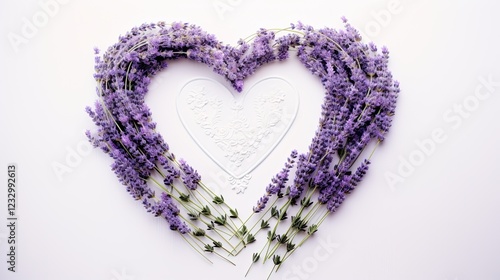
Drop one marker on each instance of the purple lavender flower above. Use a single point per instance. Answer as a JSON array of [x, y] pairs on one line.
[[170, 175], [261, 203], [304, 171], [277, 183], [166, 208], [190, 177], [358, 175]]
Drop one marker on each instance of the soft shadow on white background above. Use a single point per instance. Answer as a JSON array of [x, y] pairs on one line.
[[435, 218]]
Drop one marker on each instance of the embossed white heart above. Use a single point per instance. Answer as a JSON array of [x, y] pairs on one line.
[[237, 131]]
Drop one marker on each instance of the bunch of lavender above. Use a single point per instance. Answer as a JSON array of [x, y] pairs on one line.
[[126, 132], [358, 106], [360, 99]]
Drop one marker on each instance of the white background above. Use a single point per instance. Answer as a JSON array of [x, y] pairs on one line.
[[441, 222]]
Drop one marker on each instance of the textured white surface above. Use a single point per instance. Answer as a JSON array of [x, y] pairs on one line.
[[437, 220], [237, 130]]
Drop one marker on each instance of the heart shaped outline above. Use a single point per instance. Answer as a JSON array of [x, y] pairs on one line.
[[293, 94]]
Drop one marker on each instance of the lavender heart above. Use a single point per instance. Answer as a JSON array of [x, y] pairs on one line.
[[359, 103]]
